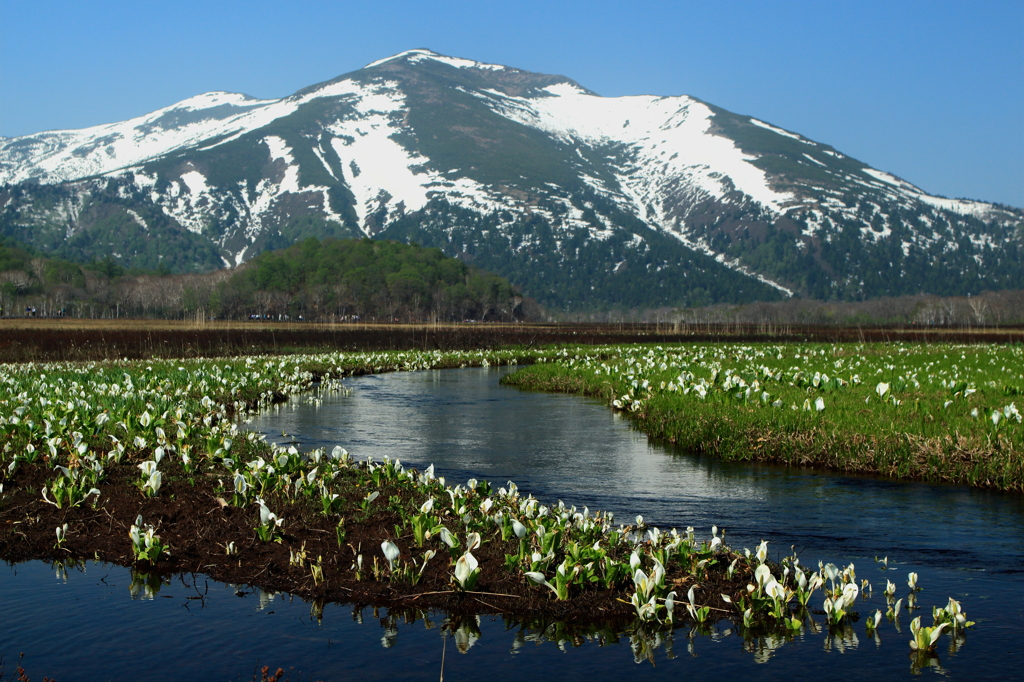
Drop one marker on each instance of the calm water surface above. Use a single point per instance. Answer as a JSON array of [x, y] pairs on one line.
[[963, 543]]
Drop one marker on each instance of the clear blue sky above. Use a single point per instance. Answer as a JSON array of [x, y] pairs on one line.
[[932, 91]]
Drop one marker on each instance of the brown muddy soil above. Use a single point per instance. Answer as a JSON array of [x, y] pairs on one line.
[[37, 340], [193, 518]]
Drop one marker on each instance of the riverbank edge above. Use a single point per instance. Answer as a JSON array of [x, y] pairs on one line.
[[894, 457], [100, 533], [190, 509]]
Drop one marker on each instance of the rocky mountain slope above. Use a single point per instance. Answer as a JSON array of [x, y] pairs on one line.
[[584, 201]]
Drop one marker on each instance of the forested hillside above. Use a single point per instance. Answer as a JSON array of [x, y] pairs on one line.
[[347, 278], [30, 280], [336, 279]]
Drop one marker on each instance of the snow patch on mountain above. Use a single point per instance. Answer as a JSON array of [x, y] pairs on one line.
[[669, 138], [420, 54], [378, 169], [468, 193], [209, 100], [189, 202], [72, 154], [319, 152], [565, 90], [137, 218], [977, 209], [66, 155], [962, 206], [280, 150], [701, 246], [779, 131], [196, 182], [891, 180]]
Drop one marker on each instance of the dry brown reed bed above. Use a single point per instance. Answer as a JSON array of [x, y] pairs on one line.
[[38, 340]]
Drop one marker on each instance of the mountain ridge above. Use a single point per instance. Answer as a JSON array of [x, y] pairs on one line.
[[374, 150]]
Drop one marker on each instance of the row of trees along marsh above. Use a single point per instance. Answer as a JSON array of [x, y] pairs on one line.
[[333, 280], [988, 309]]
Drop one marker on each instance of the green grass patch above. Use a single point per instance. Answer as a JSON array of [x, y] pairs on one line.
[[941, 413]]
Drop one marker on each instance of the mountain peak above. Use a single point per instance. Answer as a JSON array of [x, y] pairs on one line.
[[585, 201], [422, 54]]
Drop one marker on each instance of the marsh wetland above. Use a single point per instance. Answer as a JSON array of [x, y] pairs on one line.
[[253, 488]]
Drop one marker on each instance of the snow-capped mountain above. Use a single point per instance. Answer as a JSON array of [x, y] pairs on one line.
[[584, 201]]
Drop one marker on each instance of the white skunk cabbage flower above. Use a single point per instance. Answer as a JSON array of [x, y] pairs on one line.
[[467, 571], [447, 537], [391, 553], [762, 574]]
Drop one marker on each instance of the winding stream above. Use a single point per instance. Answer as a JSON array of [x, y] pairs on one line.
[[964, 543]]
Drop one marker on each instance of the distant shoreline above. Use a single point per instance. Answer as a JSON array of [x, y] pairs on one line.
[[72, 339]]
